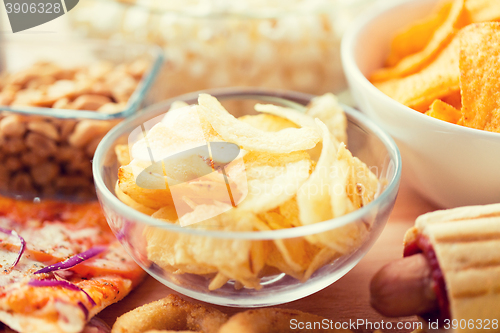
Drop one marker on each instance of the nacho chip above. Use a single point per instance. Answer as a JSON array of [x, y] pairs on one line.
[[444, 111], [438, 79], [454, 99], [267, 122], [483, 10], [250, 138], [479, 63], [414, 38], [458, 17]]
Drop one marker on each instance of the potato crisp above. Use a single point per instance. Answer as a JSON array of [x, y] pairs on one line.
[[446, 65], [293, 169]]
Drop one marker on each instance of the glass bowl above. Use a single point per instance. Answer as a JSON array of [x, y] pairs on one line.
[[212, 44], [46, 147], [365, 140]]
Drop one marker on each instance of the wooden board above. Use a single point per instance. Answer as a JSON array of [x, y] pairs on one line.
[[346, 299]]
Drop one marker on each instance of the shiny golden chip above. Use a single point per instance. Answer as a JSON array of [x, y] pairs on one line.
[[483, 10], [438, 79], [414, 38], [457, 18], [443, 111], [479, 76]]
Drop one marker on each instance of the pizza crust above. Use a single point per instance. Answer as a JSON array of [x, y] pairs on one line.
[[30, 324]]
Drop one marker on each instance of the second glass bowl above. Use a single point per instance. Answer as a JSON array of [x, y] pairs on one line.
[[365, 140]]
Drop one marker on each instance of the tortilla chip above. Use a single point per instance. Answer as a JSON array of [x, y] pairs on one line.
[[443, 111], [438, 79], [457, 18], [483, 10], [454, 99], [479, 66], [414, 38]]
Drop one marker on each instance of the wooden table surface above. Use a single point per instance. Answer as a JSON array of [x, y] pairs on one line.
[[347, 299]]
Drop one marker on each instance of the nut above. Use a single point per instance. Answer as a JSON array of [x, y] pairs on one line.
[[4, 178], [100, 69], [65, 182], [90, 102], [66, 128], [38, 82], [13, 145], [138, 68], [44, 173], [124, 88], [61, 88], [92, 146], [41, 145], [13, 163], [49, 190], [62, 103], [87, 130], [112, 108], [8, 94], [100, 88], [21, 78], [45, 128], [28, 97], [12, 126], [68, 153], [79, 165], [49, 154], [21, 183], [29, 158]]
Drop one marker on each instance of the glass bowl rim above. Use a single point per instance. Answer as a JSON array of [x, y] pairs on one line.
[[133, 103], [289, 98]]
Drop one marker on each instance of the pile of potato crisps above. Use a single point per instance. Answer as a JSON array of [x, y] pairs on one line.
[[293, 169], [446, 65]]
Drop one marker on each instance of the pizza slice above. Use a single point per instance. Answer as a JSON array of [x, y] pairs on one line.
[[60, 264]]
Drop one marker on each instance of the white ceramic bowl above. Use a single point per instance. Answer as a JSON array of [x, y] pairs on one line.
[[449, 164]]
